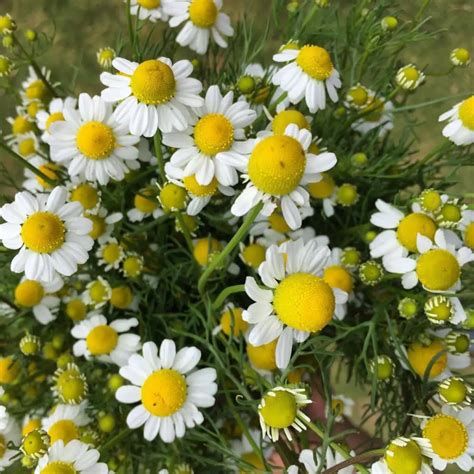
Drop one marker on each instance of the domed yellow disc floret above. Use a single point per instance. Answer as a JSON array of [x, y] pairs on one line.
[[65, 430], [469, 235], [86, 194], [322, 189], [304, 302], [102, 340], [9, 370], [153, 82], [76, 309], [214, 134], [373, 111], [71, 388], [27, 147], [232, 322], [36, 90], [448, 436], [263, 357], [50, 170], [277, 165], [173, 197], [466, 113], [21, 125], [411, 73], [430, 200], [99, 226], [34, 107], [149, 4], [279, 410], [111, 252], [98, 292], [58, 467], [204, 249], [164, 392], [253, 255], [412, 225], [203, 13], [121, 297], [403, 456], [43, 232], [132, 266], [438, 270], [453, 390], [358, 95], [95, 140], [278, 224], [420, 356], [347, 194], [146, 201], [287, 117], [338, 277], [199, 190], [34, 443], [54, 117], [29, 293], [315, 61]]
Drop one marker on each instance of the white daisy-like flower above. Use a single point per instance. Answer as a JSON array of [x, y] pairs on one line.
[[97, 293], [65, 421], [326, 191], [103, 223], [440, 309], [438, 267], [451, 435], [277, 170], [73, 457], [145, 204], [376, 114], [26, 145], [38, 296], [401, 231], [105, 341], [34, 88], [203, 18], [20, 123], [409, 77], [155, 94], [50, 233], [35, 183], [45, 118], [110, 254], [312, 460], [92, 143], [215, 145], [308, 75], [295, 301], [341, 406], [460, 129], [88, 194], [168, 389], [152, 10], [9, 433]]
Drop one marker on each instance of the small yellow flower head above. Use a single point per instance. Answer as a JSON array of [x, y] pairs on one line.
[[107, 423], [292, 6], [6, 66], [9, 370], [460, 57], [407, 308], [253, 254], [49, 352], [70, 385], [31, 35], [469, 322], [389, 23], [409, 77], [121, 297], [172, 197], [382, 367], [450, 213], [205, 249], [347, 195], [7, 24], [76, 309], [8, 41], [263, 357], [35, 444], [350, 257], [232, 322], [457, 342], [439, 309], [421, 355], [369, 236], [357, 96], [455, 391], [132, 266], [105, 56], [430, 200], [114, 382], [190, 223], [403, 455], [246, 84], [371, 273], [30, 345], [359, 160]]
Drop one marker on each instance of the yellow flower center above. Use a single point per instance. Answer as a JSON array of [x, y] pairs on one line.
[[287, 117], [322, 189], [304, 302], [373, 111], [279, 410], [412, 225], [430, 200], [6, 23], [451, 213], [277, 165], [98, 292], [438, 270], [111, 253], [132, 266], [347, 195], [36, 90], [71, 386], [121, 297], [99, 226], [29, 293], [405, 459], [214, 134], [466, 113], [263, 357], [232, 322], [411, 73], [253, 255], [453, 390], [33, 108], [420, 357], [50, 170], [439, 308], [9, 370], [153, 82], [469, 235], [199, 190], [102, 340], [164, 392], [86, 194], [95, 140], [146, 201], [149, 4], [43, 232], [448, 436], [252, 459], [33, 443], [315, 61], [173, 197], [338, 277], [54, 117], [65, 430], [358, 95], [204, 249], [384, 368], [203, 13], [337, 406], [21, 125], [27, 147], [31, 425], [278, 224], [58, 467], [350, 257]]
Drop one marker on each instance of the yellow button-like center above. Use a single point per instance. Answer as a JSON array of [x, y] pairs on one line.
[[149, 4], [358, 95], [214, 134], [278, 224], [65, 430], [469, 235], [76, 310], [102, 340], [466, 113], [412, 225], [9, 370], [279, 410], [438, 270], [50, 170], [95, 140], [132, 266], [373, 110], [430, 200], [277, 165], [448, 436], [111, 253], [420, 356], [287, 117], [121, 297], [451, 212], [315, 61], [153, 82], [304, 302], [411, 73], [173, 197], [146, 201], [403, 459], [43, 232], [36, 90], [232, 322], [29, 293], [199, 190], [58, 467], [164, 392], [254, 255], [27, 147], [99, 226], [21, 125], [86, 194], [34, 443], [54, 117], [453, 390], [263, 357], [98, 292], [322, 189], [338, 277], [71, 387], [204, 249], [203, 13]]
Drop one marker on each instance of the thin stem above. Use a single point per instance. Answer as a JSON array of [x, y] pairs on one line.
[[114, 440], [225, 293], [428, 103], [130, 25], [185, 230], [354, 460], [159, 155], [238, 237]]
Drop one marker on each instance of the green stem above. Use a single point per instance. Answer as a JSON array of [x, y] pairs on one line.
[[28, 165], [114, 440], [159, 156], [185, 230], [130, 26], [238, 237], [225, 293], [355, 460], [427, 104]]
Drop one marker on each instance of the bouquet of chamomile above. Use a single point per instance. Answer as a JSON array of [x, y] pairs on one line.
[[234, 256]]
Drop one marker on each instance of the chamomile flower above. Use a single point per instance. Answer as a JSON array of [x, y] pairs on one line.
[[155, 94], [276, 171], [438, 267], [20, 124], [98, 292], [325, 190], [38, 296], [105, 56], [203, 19], [308, 74], [312, 460], [70, 385], [455, 392], [253, 253], [34, 88], [26, 145], [466, 226], [451, 435], [281, 409], [295, 301], [102, 223], [132, 265], [441, 310], [409, 77], [376, 114], [35, 183], [152, 10], [146, 204], [460, 129], [231, 322], [341, 406], [168, 389], [50, 233], [65, 422], [110, 254], [460, 57], [45, 118], [9, 433], [106, 342], [73, 457], [92, 143], [6, 66], [357, 97], [215, 145], [86, 193]]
